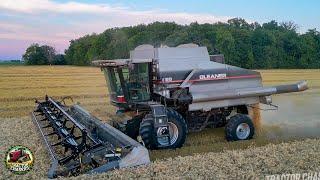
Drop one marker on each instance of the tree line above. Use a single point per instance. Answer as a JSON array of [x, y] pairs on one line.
[[248, 45], [42, 55]]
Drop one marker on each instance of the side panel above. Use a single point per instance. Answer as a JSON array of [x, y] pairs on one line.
[[230, 82], [212, 80], [173, 77], [243, 78], [206, 106]]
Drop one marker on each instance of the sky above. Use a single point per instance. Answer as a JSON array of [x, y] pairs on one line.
[[56, 22]]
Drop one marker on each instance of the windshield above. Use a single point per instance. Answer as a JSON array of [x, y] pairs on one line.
[[113, 80], [133, 84], [138, 86]]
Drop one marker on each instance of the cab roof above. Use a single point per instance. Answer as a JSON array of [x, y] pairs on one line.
[[118, 62]]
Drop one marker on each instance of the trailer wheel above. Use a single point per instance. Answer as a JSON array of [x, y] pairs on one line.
[[239, 127], [177, 131]]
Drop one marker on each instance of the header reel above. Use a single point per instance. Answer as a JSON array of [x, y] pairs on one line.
[[80, 143]]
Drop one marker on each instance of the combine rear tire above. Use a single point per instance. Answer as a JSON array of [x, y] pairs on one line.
[[239, 127], [177, 131]]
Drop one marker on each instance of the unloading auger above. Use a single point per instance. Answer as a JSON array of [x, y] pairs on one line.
[[80, 143]]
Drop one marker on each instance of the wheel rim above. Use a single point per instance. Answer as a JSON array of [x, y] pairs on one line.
[[243, 131], [173, 133]]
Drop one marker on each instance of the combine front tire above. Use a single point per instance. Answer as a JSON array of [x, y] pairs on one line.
[[177, 131], [146, 132], [239, 127]]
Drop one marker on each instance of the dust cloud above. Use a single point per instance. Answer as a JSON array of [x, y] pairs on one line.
[[296, 118]]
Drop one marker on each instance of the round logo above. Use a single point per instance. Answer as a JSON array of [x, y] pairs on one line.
[[19, 159]]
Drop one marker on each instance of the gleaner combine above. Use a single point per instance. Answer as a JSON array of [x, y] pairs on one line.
[[168, 92]]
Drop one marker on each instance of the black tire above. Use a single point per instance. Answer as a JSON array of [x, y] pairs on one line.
[[232, 125], [178, 120], [146, 132], [148, 135]]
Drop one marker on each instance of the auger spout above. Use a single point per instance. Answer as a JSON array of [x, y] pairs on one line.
[[249, 92]]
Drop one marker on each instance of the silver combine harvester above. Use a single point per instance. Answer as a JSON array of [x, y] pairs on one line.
[[167, 92]]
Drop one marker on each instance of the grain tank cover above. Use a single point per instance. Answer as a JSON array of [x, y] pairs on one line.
[[181, 58], [145, 51]]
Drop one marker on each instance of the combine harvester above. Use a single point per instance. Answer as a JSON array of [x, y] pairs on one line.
[[167, 92]]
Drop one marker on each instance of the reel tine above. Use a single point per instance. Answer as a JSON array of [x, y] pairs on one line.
[[72, 130], [47, 126], [57, 144], [44, 119], [66, 159], [78, 137], [50, 134], [66, 149]]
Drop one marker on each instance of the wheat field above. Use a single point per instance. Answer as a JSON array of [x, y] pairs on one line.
[[21, 85]]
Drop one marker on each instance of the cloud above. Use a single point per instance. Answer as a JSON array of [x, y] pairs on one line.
[[36, 6], [51, 22], [75, 8]]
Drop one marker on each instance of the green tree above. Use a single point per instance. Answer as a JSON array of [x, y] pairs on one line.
[[270, 45], [310, 50], [59, 60], [49, 53], [226, 45], [42, 55], [35, 55]]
